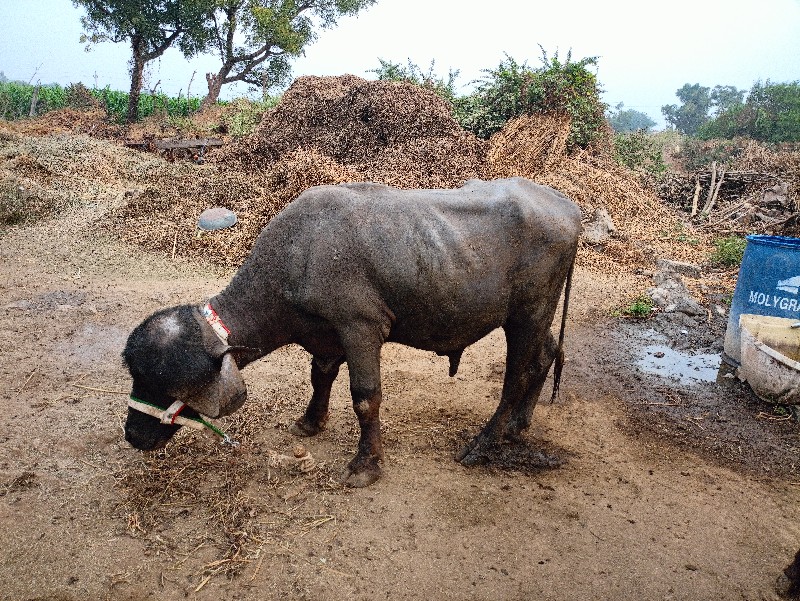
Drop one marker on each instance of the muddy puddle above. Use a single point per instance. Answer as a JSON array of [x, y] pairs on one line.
[[684, 367]]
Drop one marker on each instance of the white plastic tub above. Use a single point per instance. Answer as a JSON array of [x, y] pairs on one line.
[[770, 349]]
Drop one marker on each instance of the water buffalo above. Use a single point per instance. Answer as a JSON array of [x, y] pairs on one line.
[[344, 269]]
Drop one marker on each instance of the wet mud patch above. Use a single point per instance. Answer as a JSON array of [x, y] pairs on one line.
[[525, 455], [685, 401]]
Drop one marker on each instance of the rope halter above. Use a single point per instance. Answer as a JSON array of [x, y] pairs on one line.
[[171, 416]]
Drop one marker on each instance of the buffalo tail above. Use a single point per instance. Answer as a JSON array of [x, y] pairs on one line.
[[559, 361]]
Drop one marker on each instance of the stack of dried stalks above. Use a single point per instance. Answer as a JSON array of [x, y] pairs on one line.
[[534, 147], [335, 129], [325, 131], [393, 132], [92, 121], [531, 145]]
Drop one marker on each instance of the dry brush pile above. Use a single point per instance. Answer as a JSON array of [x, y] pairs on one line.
[[328, 130]]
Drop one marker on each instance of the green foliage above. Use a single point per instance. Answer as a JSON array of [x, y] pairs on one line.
[[116, 104], [16, 97], [242, 115], [150, 27], [640, 307], [697, 154], [514, 89], [770, 114], [693, 112], [256, 39], [15, 101], [641, 152], [629, 120], [446, 88], [724, 98], [728, 252]]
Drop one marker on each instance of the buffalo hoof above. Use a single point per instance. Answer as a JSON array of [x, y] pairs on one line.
[[305, 428], [362, 472], [469, 458], [476, 452]]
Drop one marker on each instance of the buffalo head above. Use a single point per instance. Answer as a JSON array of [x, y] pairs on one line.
[[174, 355]]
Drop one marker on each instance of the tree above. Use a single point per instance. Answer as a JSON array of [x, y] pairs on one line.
[[724, 98], [150, 26], [688, 117], [629, 120], [255, 39], [771, 113]]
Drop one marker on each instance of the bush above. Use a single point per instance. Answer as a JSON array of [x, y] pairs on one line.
[[640, 307], [640, 152], [242, 115], [514, 89], [698, 154], [389, 71], [728, 252]]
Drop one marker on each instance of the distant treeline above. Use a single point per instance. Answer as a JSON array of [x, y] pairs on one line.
[[16, 99]]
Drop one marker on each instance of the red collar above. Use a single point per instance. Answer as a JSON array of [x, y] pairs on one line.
[[220, 329]]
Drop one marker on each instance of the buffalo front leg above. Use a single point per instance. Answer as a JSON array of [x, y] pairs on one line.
[[323, 374]]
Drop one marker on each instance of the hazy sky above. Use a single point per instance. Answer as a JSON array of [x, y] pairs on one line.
[[646, 49]]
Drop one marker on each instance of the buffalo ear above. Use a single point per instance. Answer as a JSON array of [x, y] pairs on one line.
[[224, 395]]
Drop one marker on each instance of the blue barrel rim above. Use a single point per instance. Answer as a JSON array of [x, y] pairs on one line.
[[774, 241]]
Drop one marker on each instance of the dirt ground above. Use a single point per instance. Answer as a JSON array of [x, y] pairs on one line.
[[630, 486]]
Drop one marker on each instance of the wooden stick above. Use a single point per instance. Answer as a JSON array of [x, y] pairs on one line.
[[716, 193], [34, 100], [711, 187], [174, 244], [696, 194]]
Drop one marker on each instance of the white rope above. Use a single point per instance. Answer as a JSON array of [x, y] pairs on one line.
[[167, 416]]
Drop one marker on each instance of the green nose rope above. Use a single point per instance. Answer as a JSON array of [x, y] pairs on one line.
[[171, 416]]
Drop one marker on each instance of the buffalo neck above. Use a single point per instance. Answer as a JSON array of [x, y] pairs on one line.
[[254, 314]]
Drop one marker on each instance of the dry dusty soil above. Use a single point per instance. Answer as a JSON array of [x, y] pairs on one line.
[[630, 486]]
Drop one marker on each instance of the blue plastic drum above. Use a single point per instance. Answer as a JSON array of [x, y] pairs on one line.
[[768, 284]]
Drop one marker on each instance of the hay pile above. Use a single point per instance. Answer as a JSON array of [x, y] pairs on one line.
[[392, 132], [534, 147], [329, 130], [326, 130], [92, 121]]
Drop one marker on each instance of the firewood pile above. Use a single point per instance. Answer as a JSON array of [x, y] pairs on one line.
[[757, 195]]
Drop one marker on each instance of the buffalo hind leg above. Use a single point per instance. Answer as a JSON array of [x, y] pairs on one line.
[[521, 414], [323, 374], [362, 346], [528, 358]]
